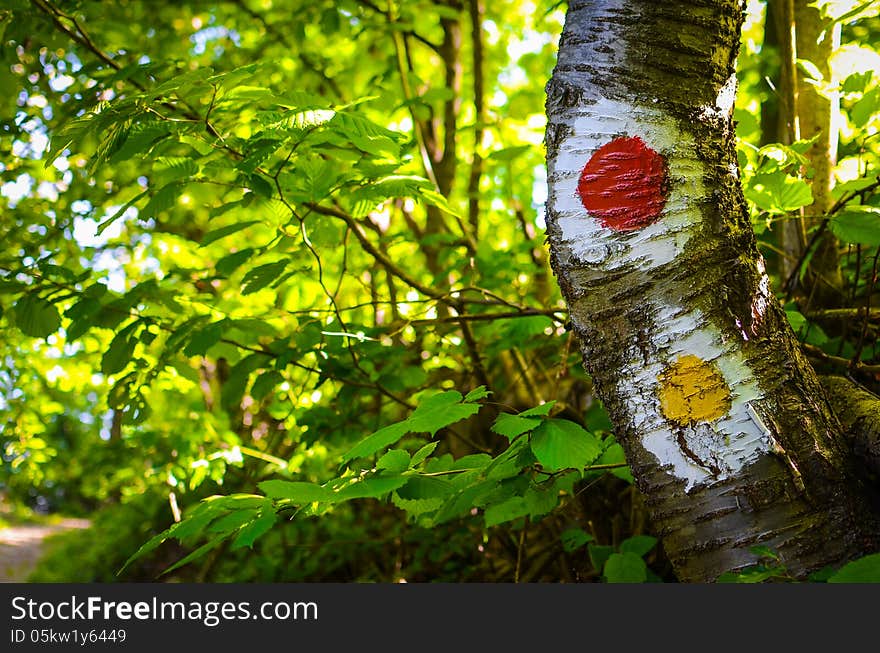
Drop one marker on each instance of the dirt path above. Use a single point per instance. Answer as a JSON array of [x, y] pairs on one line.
[[22, 546]]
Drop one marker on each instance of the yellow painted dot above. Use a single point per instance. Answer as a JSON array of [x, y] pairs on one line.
[[692, 390]]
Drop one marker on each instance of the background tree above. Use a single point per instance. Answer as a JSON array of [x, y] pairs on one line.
[[289, 259]]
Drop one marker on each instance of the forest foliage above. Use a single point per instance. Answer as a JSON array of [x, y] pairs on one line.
[[275, 301]]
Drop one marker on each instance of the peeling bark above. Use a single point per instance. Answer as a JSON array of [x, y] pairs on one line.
[[723, 420]]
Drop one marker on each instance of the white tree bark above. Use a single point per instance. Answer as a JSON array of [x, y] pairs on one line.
[[723, 420]]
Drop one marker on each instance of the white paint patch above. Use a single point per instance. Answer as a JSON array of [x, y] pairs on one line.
[[726, 444], [657, 244], [724, 101], [721, 446]]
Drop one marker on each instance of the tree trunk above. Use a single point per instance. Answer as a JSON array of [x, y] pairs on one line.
[[724, 422], [818, 117], [786, 130]]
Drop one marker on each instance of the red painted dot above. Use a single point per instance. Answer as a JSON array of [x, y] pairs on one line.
[[624, 184]]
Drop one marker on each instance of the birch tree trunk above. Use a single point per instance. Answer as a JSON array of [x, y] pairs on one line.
[[724, 423]]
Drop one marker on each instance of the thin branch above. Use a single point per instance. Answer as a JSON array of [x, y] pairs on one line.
[[845, 313], [491, 317], [380, 257], [476, 11], [854, 365], [520, 551], [403, 70]]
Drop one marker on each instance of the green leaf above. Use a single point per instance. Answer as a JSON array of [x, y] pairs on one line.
[[231, 262], [416, 507], [596, 418], [574, 538], [257, 152], [364, 134], [173, 168], [265, 383], [511, 426], [240, 501], [222, 232], [119, 352], [426, 487], [561, 444], [780, 156], [298, 121], [863, 110], [258, 527], [36, 317], [857, 82], [859, 225], [851, 186], [148, 546], [162, 200], [260, 186], [614, 455], [119, 212], [205, 338], [863, 570], [638, 544], [752, 575], [396, 460], [541, 501], [509, 153], [299, 492], [439, 411], [511, 461], [476, 394], [142, 138], [822, 575], [371, 488], [377, 441], [796, 319], [471, 461], [423, 453], [625, 568], [195, 555], [232, 522], [510, 509], [262, 275], [778, 192], [599, 554], [82, 316], [540, 410]]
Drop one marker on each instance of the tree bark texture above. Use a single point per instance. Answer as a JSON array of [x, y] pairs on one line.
[[859, 412], [786, 130], [818, 116], [724, 422]]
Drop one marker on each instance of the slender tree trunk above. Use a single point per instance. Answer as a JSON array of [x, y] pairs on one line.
[[724, 422], [780, 15], [818, 109]]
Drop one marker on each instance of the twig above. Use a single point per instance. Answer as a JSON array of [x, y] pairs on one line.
[[854, 365]]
